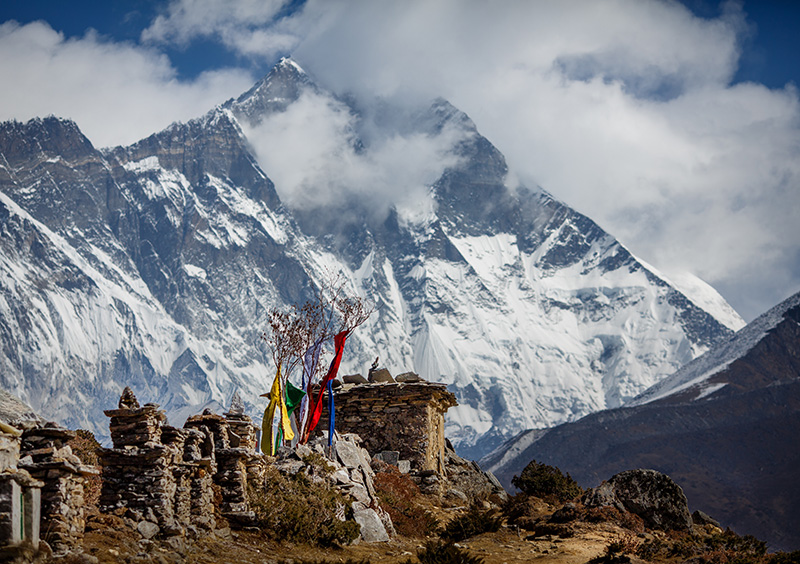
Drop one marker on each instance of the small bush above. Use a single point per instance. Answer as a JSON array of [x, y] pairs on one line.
[[299, 510], [442, 552], [399, 495], [785, 557], [609, 514], [547, 482], [721, 548], [524, 510], [623, 544], [472, 523]]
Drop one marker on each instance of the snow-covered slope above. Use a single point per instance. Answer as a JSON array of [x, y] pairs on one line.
[[697, 379], [154, 266]]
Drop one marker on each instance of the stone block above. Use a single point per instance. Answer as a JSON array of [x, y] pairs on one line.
[[380, 376], [372, 528], [389, 457]]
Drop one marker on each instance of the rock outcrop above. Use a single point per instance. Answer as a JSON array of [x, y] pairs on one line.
[[651, 495]]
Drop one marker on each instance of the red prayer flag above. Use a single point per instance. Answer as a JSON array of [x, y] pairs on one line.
[[316, 407]]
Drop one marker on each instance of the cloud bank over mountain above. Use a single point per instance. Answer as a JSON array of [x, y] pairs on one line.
[[626, 110]]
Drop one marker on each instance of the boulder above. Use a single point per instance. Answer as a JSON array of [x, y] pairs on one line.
[[354, 379], [147, 529], [409, 377], [372, 528], [701, 518], [651, 495], [380, 376]]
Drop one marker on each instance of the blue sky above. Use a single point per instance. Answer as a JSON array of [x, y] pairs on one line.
[[676, 126]]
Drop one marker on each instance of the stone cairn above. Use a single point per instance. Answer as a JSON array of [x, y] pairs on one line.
[[45, 454], [349, 471], [235, 457], [167, 478]]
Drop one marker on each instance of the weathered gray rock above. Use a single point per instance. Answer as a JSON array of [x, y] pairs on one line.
[[409, 377], [701, 518], [147, 529], [389, 457], [381, 375], [354, 379], [651, 495], [347, 453], [372, 528]]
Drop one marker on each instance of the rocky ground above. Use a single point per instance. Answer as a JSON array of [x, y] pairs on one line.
[[110, 540]]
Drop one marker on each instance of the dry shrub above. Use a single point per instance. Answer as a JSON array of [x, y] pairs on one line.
[[324, 561], [625, 543], [297, 509], [474, 522], [524, 511], [443, 552], [400, 496], [610, 514], [547, 482], [85, 446], [719, 548]]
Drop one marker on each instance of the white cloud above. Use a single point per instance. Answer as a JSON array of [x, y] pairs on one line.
[[621, 108], [117, 93], [247, 27], [312, 154]]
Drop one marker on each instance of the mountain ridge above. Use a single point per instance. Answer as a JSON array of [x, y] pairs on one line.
[[725, 426], [528, 310]]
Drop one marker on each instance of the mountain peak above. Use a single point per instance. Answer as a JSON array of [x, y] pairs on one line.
[[272, 94], [50, 136], [287, 64]]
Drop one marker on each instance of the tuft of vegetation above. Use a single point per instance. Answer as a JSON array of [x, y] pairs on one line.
[[474, 522], [445, 552], [546, 482], [319, 463], [298, 509], [524, 511], [626, 543], [609, 514], [399, 496], [785, 557]]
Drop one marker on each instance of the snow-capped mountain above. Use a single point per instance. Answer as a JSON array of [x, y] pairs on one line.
[[154, 265], [724, 427]]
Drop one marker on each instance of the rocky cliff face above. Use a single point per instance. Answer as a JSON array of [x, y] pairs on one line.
[[725, 427], [154, 265]]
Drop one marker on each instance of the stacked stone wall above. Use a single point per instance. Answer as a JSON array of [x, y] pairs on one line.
[[407, 417], [46, 455]]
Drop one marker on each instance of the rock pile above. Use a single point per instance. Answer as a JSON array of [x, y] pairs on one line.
[[19, 499], [351, 473]]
